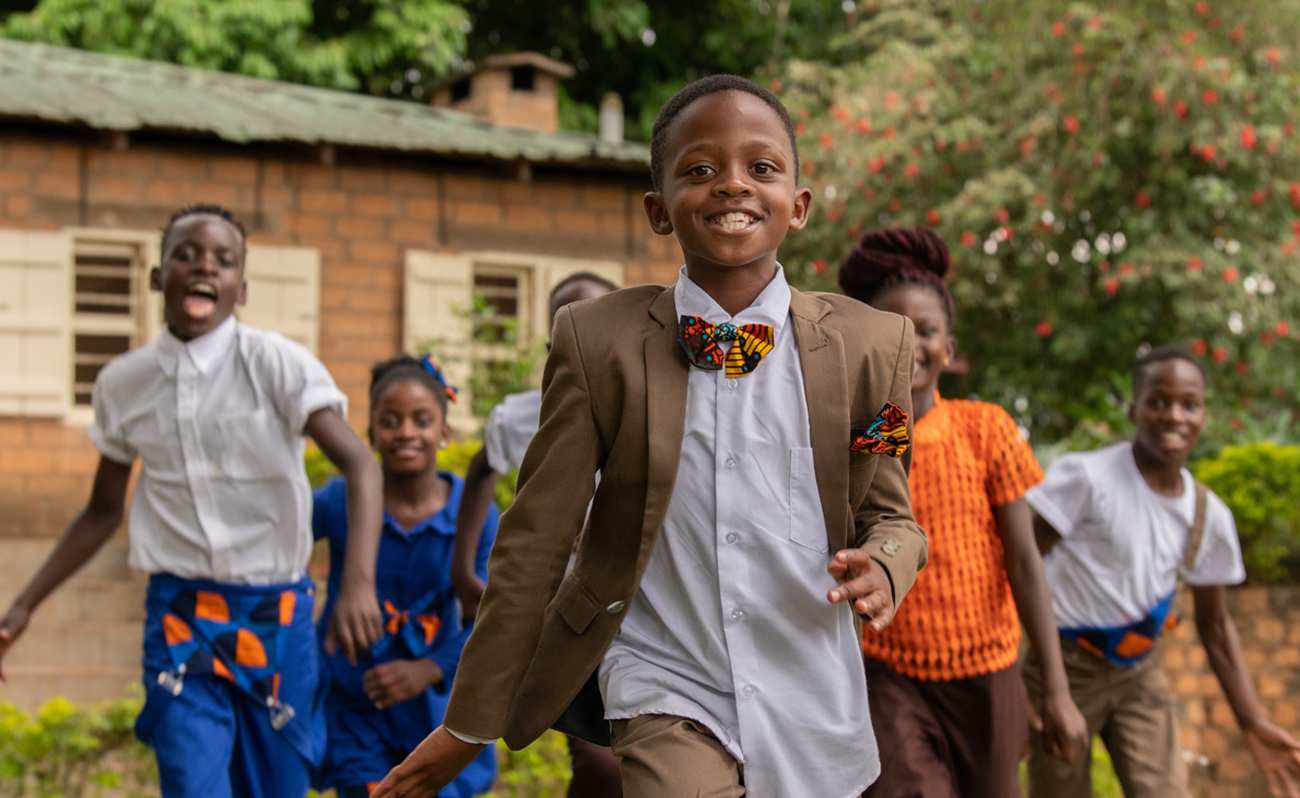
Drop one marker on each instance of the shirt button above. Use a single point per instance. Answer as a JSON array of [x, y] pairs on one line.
[[731, 462], [615, 607], [737, 614], [749, 690], [732, 537], [733, 384]]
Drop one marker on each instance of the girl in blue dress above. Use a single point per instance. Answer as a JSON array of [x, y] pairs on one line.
[[382, 705]]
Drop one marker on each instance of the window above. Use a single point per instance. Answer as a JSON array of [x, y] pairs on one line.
[[523, 78], [499, 316], [108, 294], [460, 90]]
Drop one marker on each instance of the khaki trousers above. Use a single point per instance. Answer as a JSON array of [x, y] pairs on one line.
[[1133, 711], [665, 755]]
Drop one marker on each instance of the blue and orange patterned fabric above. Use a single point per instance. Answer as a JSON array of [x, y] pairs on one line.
[[703, 341], [1129, 645], [885, 434]]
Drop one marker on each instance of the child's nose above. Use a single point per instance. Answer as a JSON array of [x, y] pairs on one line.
[[732, 183]]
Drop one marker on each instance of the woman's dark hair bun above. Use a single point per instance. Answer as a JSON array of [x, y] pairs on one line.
[[885, 257]]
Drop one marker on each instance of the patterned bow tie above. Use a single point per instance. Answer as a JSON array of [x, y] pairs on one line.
[[702, 343]]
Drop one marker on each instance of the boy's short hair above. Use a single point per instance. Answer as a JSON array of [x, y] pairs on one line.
[[202, 209], [713, 84], [581, 277], [1162, 354]]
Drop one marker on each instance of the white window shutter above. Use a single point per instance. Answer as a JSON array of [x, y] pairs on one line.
[[550, 271], [437, 299], [283, 292], [35, 323]]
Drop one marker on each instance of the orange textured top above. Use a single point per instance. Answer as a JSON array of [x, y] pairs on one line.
[[959, 620]]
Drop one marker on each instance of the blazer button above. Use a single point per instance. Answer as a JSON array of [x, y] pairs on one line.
[[616, 607]]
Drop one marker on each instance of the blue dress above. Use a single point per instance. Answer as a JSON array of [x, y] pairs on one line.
[[421, 619]]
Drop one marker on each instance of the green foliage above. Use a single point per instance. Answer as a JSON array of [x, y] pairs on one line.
[[1108, 176], [539, 771], [63, 750], [368, 45], [1260, 482]]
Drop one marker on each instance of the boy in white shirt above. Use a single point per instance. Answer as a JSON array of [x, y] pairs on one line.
[[216, 411], [1119, 527]]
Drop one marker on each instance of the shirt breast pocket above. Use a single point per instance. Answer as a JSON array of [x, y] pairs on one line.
[[154, 436], [807, 524], [248, 446]]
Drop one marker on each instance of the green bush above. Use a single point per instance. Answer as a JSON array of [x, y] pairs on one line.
[[1260, 482]]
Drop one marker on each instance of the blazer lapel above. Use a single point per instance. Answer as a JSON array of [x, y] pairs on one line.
[[821, 359], [666, 373]]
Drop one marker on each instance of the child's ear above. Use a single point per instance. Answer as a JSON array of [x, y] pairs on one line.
[[242, 299], [950, 353], [657, 213], [802, 205], [155, 279]]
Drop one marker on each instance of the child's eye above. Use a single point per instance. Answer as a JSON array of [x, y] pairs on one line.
[[423, 421], [700, 170], [764, 168]]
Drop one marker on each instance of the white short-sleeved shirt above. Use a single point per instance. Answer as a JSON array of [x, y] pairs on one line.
[[730, 626], [510, 428], [218, 425], [1122, 544]]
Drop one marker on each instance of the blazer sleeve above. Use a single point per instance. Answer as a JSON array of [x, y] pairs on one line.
[[536, 535], [883, 520]]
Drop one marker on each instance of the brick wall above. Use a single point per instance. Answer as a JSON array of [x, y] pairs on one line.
[[1268, 620], [361, 212]]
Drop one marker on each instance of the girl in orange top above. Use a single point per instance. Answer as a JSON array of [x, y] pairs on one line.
[[943, 676]]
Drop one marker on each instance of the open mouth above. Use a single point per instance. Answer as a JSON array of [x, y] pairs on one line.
[[733, 221], [200, 300]]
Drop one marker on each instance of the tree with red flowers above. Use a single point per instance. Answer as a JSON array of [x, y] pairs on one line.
[[1109, 177]]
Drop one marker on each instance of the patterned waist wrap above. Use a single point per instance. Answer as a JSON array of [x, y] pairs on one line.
[[1129, 645], [260, 639]]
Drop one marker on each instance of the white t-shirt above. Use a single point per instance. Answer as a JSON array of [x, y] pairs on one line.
[[510, 428], [1122, 544], [218, 423]]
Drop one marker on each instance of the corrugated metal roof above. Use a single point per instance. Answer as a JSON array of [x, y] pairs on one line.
[[115, 93]]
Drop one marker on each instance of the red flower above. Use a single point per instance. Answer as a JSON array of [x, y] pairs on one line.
[[1236, 424], [1158, 95], [1077, 49], [969, 239], [1071, 125], [1282, 329], [1143, 199], [891, 99], [809, 168], [889, 133], [1203, 8], [1266, 337], [1219, 354], [1180, 109], [1230, 275], [1002, 215], [1273, 55], [895, 205], [1248, 137], [1209, 96], [1043, 329], [826, 140], [840, 112], [774, 85], [1208, 152], [1294, 191], [912, 169], [1126, 270], [1193, 264], [1198, 347], [876, 163], [819, 265], [1236, 33], [1105, 267], [1007, 232], [1258, 196], [932, 217], [1295, 228], [863, 125], [1058, 29], [1189, 37], [1242, 367], [1112, 286], [800, 129]]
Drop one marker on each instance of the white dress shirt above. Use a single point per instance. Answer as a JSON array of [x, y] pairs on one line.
[[730, 626], [1122, 544], [218, 423], [510, 428]]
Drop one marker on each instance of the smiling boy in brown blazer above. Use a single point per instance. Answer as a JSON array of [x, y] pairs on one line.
[[751, 444]]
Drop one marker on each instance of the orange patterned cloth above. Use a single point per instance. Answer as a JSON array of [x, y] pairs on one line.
[[959, 620]]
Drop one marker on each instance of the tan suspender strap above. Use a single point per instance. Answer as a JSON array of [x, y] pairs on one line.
[[1198, 527]]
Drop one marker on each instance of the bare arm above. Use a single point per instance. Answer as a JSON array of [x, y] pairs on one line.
[[1275, 752], [1065, 731], [480, 484], [357, 622], [84, 536], [1045, 536]]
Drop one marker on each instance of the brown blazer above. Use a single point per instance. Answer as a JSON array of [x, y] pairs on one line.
[[613, 401]]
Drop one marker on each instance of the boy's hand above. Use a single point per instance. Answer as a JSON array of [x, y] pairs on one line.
[[399, 680], [1065, 732], [431, 766], [864, 582], [11, 626], [357, 623], [470, 595], [1278, 755]]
